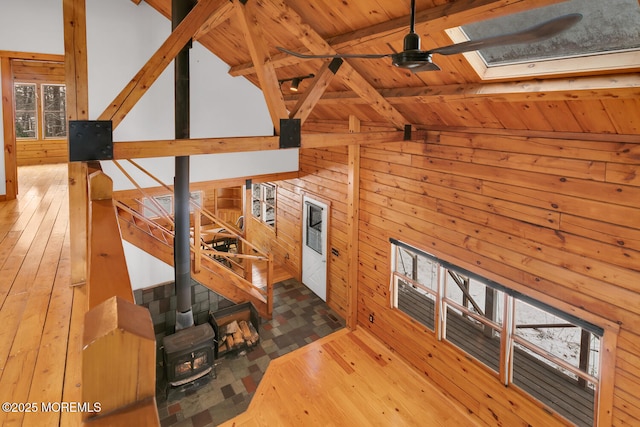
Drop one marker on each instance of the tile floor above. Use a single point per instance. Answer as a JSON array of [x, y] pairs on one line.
[[299, 317]]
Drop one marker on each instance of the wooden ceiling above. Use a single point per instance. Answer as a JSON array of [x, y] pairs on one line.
[[381, 95]]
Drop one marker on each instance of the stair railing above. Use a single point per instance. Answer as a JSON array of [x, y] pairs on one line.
[[244, 259]]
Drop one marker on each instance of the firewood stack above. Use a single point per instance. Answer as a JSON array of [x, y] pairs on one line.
[[237, 335]]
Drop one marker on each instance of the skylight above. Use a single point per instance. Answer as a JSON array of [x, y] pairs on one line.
[[607, 38]]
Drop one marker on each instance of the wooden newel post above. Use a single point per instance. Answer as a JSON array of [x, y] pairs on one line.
[[118, 363]]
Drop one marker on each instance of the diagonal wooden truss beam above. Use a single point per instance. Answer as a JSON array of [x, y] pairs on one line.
[[312, 95], [290, 19], [224, 13], [246, 13], [432, 20], [138, 86]]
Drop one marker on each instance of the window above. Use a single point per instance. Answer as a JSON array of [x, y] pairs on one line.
[[159, 206], [263, 203], [47, 119], [26, 110], [525, 342], [607, 38], [54, 122]]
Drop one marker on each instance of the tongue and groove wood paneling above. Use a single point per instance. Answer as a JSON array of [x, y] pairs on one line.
[[555, 218]]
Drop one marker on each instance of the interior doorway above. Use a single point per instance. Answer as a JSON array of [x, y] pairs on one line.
[[314, 246]]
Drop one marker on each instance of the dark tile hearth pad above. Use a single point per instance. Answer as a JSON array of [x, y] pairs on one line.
[[299, 318]]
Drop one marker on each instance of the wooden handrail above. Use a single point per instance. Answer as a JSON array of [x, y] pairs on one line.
[[107, 273], [119, 350], [204, 250]]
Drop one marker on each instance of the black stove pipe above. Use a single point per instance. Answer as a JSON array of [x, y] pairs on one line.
[[181, 249]]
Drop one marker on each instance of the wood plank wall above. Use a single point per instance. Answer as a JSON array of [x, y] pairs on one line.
[[557, 219]]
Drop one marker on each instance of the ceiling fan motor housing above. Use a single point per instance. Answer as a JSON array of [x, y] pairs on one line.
[[412, 41]]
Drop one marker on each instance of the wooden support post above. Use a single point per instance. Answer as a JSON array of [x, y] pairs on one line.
[[270, 284], [197, 246], [75, 47], [353, 206], [118, 357], [9, 130]]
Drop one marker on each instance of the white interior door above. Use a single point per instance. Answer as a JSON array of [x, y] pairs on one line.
[[314, 246]]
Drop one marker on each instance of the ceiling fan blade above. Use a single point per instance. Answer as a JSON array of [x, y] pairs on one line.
[[338, 55], [533, 34]]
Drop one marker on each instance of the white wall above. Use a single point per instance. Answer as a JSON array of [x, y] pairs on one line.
[[121, 37]]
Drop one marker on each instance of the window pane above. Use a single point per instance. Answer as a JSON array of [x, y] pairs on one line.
[[26, 114], [556, 335], [479, 340], [546, 382], [405, 262], [474, 296], [548, 337], [466, 297], [256, 208], [416, 297], [417, 303], [606, 26], [26, 124], [54, 110], [25, 95]]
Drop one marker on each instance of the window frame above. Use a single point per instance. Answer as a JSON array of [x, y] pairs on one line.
[[579, 64], [44, 111], [607, 331], [36, 111], [40, 113], [264, 203]]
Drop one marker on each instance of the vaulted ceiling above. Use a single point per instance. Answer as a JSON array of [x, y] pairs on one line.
[[246, 33]]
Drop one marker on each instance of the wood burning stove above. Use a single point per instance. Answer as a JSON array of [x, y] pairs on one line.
[[189, 354]]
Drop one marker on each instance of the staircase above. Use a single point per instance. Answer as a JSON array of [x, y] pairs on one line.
[[241, 275]]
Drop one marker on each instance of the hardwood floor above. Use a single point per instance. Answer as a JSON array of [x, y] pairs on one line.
[[347, 378], [35, 297]]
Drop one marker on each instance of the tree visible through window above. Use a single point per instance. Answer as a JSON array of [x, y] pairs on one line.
[[26, 110], [40, 111]]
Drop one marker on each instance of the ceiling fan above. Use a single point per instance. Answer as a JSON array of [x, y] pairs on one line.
[[416, 60]]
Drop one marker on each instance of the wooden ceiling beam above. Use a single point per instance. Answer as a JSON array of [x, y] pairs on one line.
[[224, 13], [618, 86], [290, 19], [138, 86], [191, 147], [314, 92], [431, 20], [248, 20]]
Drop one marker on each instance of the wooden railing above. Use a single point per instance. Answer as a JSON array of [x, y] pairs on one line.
[[246, 266], [249, 268], [118, 355]]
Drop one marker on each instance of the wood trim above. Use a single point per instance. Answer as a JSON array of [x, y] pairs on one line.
[[11, 54], [316, 44], [353, 220], [138, 86], [614, 86], [75, 47], [223, 14], [9, 131], [606, 392], [188, 147], [247, 16], [312, 95]]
